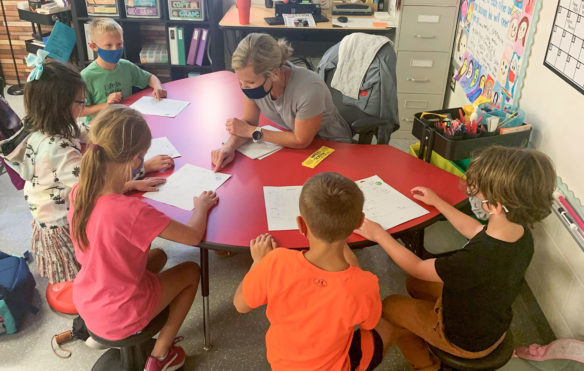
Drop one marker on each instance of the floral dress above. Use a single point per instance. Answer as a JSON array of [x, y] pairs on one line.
[[50, 166]]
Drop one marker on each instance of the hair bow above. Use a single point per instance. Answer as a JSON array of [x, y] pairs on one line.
[[36, 61]]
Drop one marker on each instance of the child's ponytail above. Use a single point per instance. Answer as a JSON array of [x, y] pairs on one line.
[[118, 133], [90, 185]]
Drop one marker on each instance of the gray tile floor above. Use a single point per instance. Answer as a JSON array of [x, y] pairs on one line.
[[238, 339]]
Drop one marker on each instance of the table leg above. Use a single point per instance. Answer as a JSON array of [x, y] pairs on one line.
[[205, 291]]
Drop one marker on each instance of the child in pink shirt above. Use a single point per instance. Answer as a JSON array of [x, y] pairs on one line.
[[120, 288]]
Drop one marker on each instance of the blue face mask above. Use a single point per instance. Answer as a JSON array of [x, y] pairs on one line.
[[257, 93], [136, 171], [110, 56]]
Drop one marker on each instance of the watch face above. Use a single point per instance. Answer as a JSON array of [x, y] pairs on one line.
[[257, 135]]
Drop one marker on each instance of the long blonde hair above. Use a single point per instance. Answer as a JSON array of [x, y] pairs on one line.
[[118, 133], [261, 51]]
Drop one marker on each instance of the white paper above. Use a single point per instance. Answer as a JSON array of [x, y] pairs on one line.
[[299, 20], [261, 149], [164, 107], [184, 184], [161, 146], [282, 207], [364, 22], [385, 205]]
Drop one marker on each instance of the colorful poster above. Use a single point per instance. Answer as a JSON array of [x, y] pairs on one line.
[[492, 39]]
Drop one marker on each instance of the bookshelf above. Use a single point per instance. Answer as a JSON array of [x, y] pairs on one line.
[[139, 32]]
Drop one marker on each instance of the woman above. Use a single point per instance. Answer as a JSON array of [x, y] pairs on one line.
[[292, 97]]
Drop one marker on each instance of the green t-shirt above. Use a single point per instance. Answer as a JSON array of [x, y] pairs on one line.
[[101, 82]]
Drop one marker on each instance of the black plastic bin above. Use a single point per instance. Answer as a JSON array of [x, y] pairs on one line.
[[458, 148]]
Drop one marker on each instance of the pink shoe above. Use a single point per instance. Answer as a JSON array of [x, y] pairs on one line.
[[174, 360]]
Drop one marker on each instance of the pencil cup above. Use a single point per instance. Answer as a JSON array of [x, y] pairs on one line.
[[243, 8]]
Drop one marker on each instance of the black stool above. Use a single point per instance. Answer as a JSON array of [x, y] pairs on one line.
[[498, 358], [134, 350]]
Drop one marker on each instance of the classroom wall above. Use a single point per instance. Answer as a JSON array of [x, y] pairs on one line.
[[554, 108]]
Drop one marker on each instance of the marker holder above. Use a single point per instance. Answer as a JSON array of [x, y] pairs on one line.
[[458, 148]]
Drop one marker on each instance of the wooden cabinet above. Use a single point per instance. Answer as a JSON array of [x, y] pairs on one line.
[[424, 42], [139, 32]]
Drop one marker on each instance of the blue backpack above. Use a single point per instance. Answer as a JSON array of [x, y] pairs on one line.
[[16, 291]]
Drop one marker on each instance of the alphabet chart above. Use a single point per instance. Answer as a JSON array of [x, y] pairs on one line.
[[565, 52]]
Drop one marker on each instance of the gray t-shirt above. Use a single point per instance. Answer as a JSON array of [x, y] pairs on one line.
[[306, 96]]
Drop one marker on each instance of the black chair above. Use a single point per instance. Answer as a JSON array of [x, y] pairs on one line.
[[497, 359], [375, 112], [133, 351]]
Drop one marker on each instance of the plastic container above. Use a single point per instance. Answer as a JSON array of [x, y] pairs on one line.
[[509, 116], [457, 149]]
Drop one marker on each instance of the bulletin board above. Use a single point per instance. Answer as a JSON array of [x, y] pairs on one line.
[[565, 52], [493, 39]]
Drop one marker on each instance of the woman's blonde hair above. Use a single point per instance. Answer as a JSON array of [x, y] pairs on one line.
[[523, 180], [261, 51], [118, 133]]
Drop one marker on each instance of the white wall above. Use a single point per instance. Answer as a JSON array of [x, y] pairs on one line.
[[555, 109]]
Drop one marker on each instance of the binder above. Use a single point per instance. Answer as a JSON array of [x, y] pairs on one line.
[[91, 55], [202, 45], [194, 46], [172, 45], [180, 39]]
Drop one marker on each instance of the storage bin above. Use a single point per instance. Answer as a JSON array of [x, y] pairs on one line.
[[457, 149]]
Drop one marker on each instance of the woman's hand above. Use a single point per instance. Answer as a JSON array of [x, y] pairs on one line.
[[261, 246], [206, 200], [221, 157], [370, 230], [239, 128], [426, 195], [145, 185], [157, 163]]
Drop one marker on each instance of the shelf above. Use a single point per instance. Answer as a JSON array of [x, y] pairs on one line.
[[31, 47], [168, 65], [45, 19], [151, 20]]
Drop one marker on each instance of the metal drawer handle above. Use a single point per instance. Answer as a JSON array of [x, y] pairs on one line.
[[418, 36], [412, 79]]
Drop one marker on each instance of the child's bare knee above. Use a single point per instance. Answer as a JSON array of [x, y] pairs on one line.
[[191, 271]]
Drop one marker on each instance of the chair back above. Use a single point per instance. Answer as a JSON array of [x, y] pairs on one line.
[[375, 112], [10, 136]]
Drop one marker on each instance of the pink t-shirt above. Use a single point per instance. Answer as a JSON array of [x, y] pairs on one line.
[[113, 291]]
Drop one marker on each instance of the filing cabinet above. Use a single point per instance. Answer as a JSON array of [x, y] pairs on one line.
[[424, 40]]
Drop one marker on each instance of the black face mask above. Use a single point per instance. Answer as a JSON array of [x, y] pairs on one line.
[[257, 93]]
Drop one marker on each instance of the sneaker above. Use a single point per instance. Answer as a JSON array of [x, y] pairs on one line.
[[174, 360]]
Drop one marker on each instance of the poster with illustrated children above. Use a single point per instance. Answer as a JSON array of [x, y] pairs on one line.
[[492, 39], [565, 52]]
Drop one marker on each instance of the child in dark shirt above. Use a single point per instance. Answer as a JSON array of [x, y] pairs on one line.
[[461, 303]]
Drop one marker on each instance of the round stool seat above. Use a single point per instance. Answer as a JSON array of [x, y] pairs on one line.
[[498, 358], [60, 297], [134, 350]]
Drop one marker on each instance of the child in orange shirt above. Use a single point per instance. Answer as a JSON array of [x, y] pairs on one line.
[[315, 298]]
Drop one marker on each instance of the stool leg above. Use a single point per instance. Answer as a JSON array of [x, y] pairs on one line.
[[205, 289]]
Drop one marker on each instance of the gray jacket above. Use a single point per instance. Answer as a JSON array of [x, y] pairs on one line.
[[379, 82]]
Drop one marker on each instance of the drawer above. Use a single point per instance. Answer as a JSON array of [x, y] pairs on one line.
[[426, 28], [410, 104], [430, 2], [422, 72]]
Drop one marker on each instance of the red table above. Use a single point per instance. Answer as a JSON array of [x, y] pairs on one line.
[[240, 214]]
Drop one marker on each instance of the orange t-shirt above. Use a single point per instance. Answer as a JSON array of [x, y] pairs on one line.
[[312, 312]]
